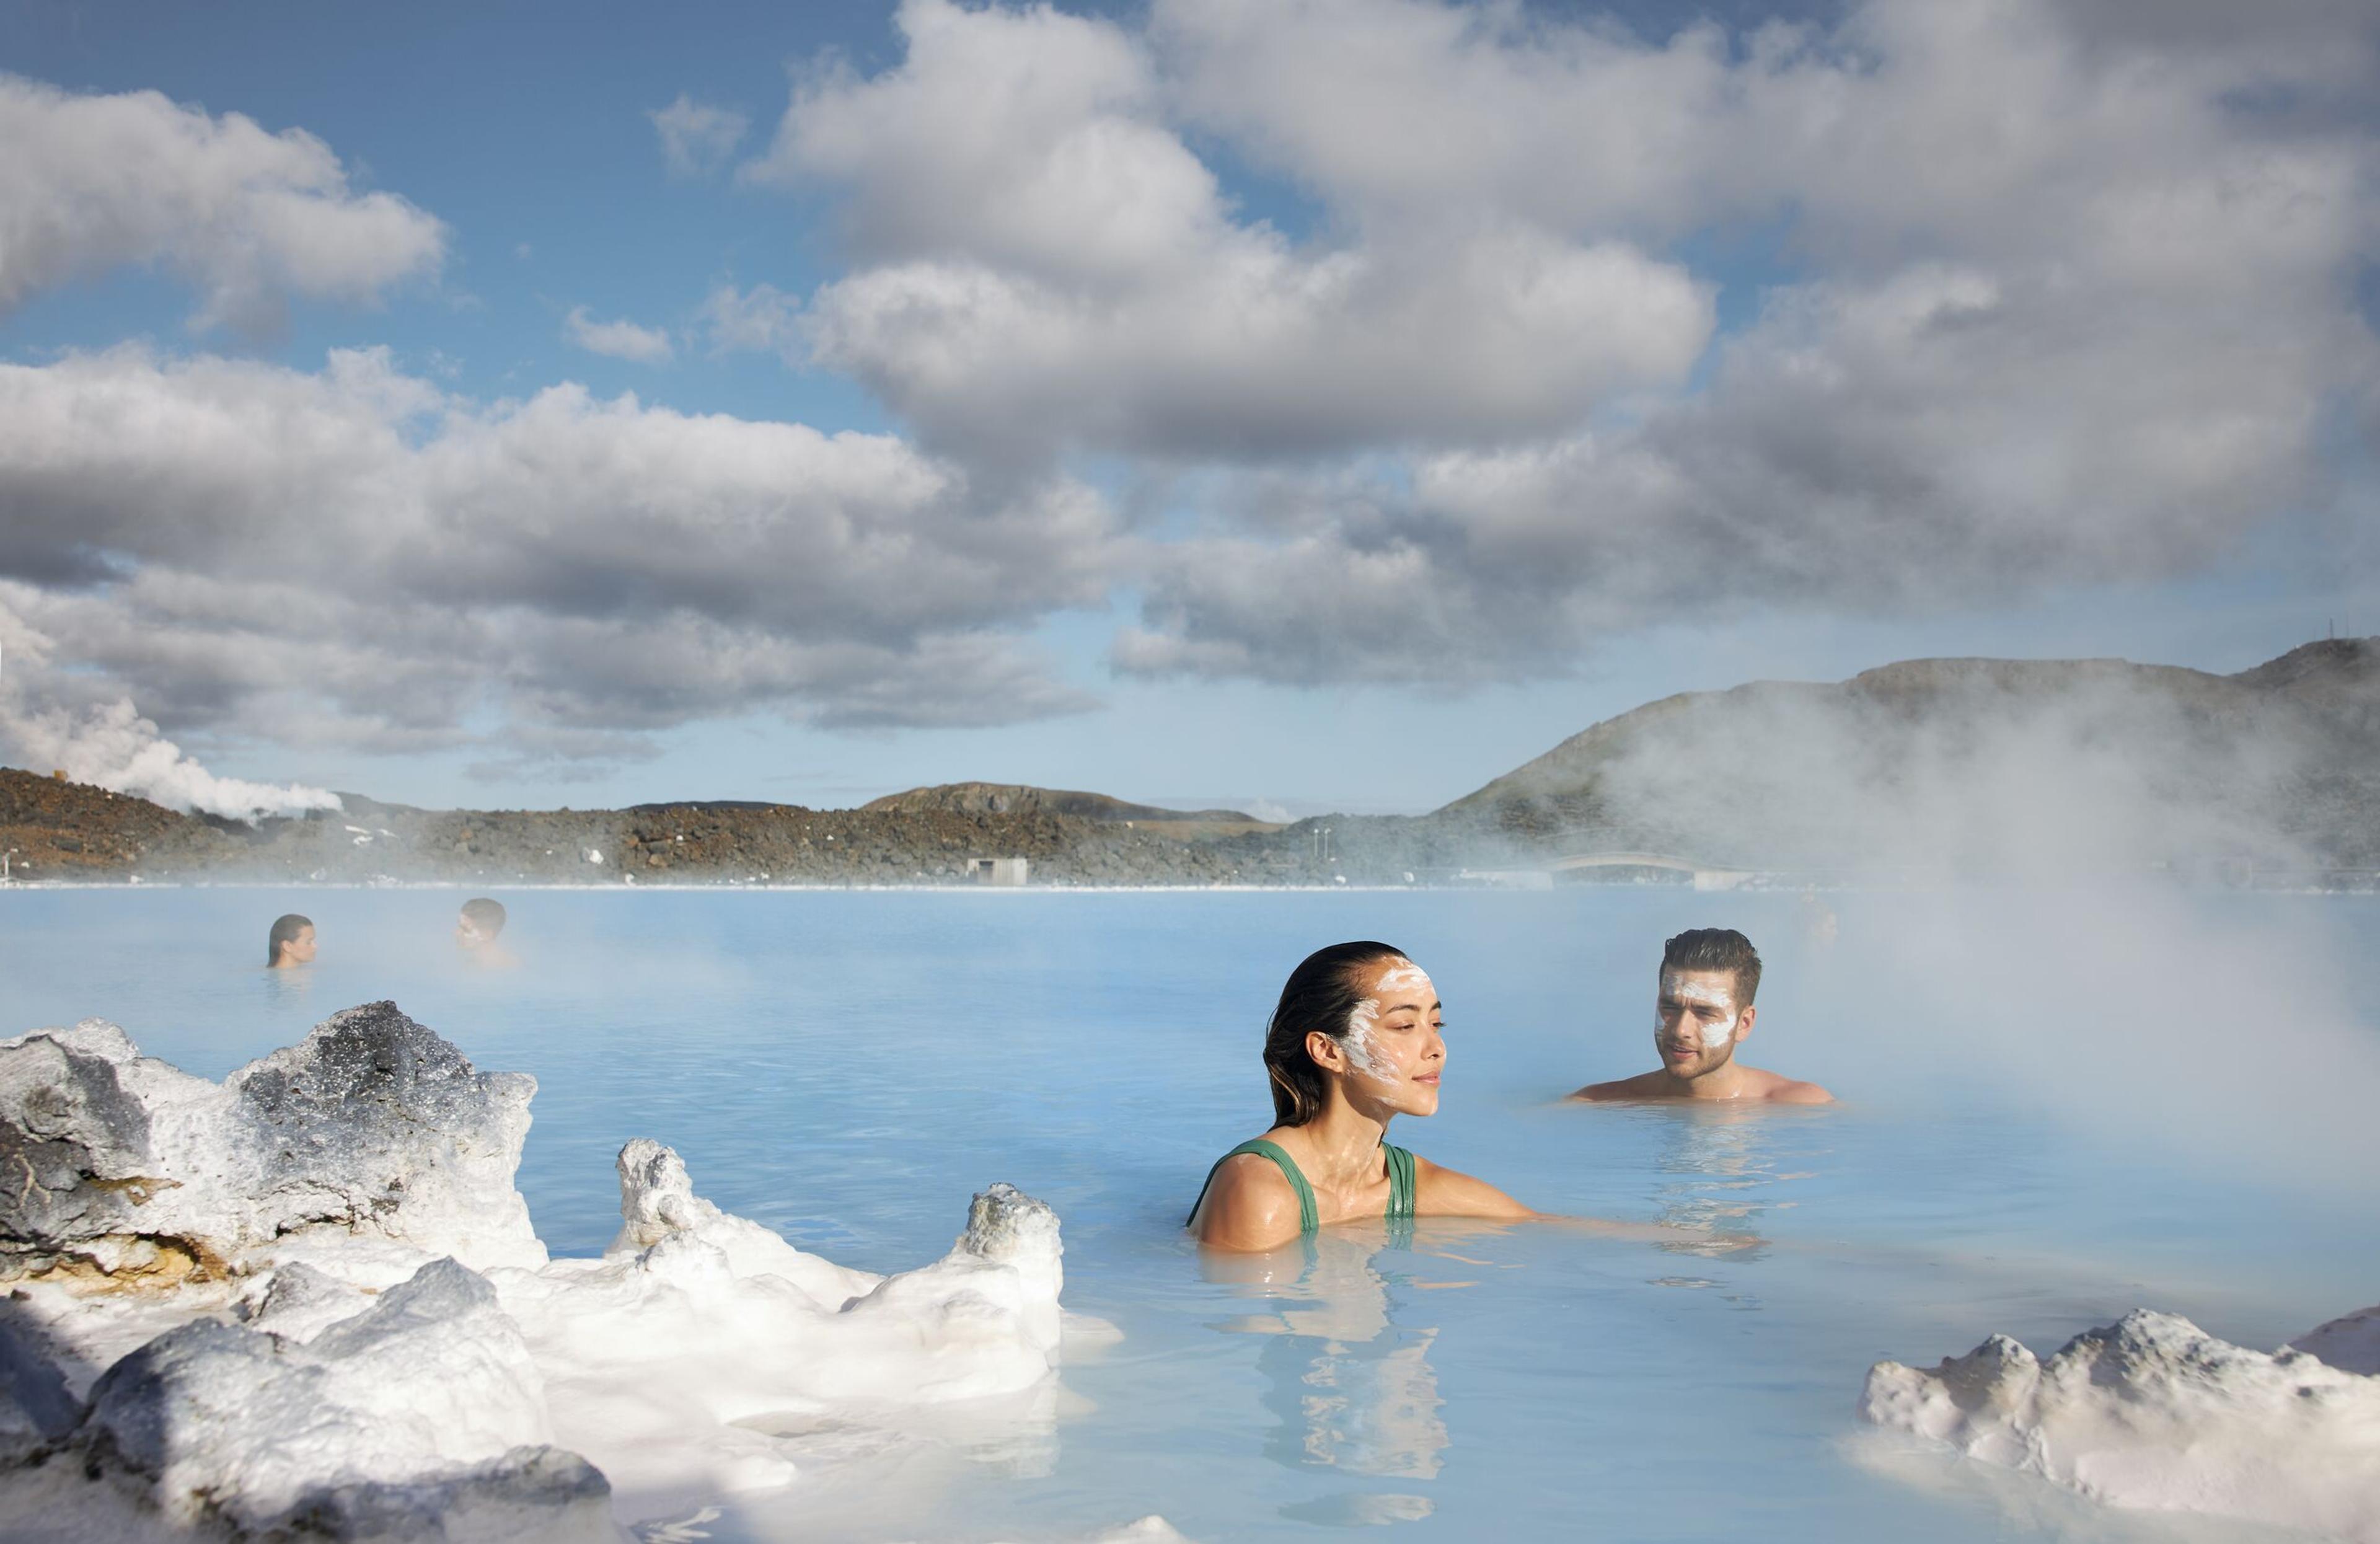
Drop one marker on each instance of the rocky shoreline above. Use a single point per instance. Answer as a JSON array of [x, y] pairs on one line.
[[307, 1303], [57, 830], [1927, 767]]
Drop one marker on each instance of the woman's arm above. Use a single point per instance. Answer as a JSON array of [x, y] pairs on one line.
[[1442, 1192], [1249, 1207], [1696, 1240]]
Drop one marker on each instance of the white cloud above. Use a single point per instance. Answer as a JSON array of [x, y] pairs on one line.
[[2074, 306], [618, 340], [354, 556], [249, 218], [1043, 262], [761, 320], [696, 139]]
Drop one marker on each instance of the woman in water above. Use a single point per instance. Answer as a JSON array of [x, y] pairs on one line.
[[1356, 1040]]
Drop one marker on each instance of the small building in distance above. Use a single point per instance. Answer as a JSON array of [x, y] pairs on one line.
[[996, 871]]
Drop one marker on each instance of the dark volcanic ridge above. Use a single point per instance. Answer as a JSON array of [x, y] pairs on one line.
[[66, 831], [1962, 766]]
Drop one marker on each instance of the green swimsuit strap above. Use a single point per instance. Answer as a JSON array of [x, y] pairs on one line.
[[1309, 1219], [1401, 1180]]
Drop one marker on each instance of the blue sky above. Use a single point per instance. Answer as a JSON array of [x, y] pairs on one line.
[[1325, 403]]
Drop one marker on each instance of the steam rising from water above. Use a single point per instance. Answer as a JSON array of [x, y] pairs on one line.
[[111, 746], [2223, 1035], [1988, 767], [2038, 855]]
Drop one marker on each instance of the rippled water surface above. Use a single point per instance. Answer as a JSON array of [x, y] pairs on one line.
[[848, 1067]]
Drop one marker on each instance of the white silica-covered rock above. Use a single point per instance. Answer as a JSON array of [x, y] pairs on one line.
[[258, 1309], [698, 1320], [131, 1171], [298, 1301], [426, 1405], [1004, 1274], [656, 1202], [2154, 1413]]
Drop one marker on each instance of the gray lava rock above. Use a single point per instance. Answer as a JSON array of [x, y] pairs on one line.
[[66, 1119], [36, 1410], [125, 1168], [375, 1121]]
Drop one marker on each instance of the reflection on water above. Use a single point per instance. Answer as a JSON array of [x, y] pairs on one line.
[[293, 988], [1718, 1164], [1350, 1388]]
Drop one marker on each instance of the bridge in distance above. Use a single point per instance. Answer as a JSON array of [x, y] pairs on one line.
[[1541, 874]]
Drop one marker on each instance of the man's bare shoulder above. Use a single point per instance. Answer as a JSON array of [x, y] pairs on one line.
[[1647, 1085], [1777, 1088]]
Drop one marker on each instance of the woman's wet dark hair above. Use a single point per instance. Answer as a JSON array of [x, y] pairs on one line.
[[1321, 994], [286, 929]]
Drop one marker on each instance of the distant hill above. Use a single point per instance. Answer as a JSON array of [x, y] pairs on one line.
[[2270, 776], [1022, 798], [1977, 763]]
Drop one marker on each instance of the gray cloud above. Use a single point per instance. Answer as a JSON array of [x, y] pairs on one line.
[[2077, 309], [352, 556], [250, 218], [2057, 293]]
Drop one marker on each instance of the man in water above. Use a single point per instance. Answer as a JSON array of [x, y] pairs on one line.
[[290, 944], [476, 929], [1709, 976]]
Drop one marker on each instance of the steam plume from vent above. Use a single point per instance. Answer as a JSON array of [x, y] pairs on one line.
[[111, 746]]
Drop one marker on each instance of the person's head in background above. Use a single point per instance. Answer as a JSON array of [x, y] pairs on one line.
[[481, 922], [291, 942], [1708, 977]]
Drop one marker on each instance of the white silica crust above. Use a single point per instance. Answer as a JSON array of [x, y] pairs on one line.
[[306, 1301], [432, 1385], [2152, 1413]]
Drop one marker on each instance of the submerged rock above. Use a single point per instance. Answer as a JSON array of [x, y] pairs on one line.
[[2154, 1413], [135, 1173]]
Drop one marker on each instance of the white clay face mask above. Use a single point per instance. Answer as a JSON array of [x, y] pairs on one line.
[[1365, 1053], [1363, 1042], [1714, 1035]]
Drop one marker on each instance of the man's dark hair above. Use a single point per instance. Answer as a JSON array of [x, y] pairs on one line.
[[1321, 994], [1715, 949], [485, 915], [285, 930]]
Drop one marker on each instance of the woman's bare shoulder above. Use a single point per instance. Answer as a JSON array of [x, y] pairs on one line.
[[1249, 1204]]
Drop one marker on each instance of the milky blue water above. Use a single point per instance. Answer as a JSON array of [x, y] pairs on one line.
[[848, 1067]]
